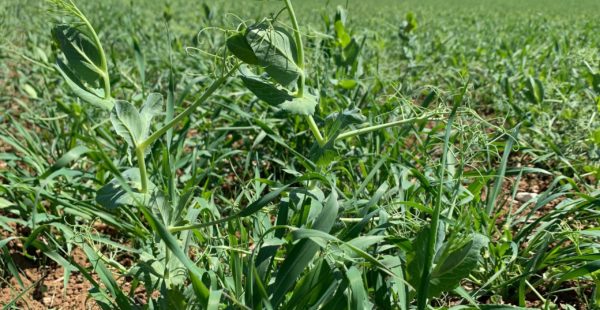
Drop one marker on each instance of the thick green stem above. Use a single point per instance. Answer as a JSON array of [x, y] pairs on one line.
[[141, 148], [315, 130], [213, 87], [302, 79], [103, 62], [299, 46], [139, 153]]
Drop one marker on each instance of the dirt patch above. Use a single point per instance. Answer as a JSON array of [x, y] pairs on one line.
[[41, 282], [43, 287]]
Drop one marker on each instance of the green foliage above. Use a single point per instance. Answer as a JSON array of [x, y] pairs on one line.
[[404, 155], [133, 125], [126, 191], [275, 50]]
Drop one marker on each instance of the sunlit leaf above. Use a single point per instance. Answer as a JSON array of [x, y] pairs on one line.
[[276, 52]]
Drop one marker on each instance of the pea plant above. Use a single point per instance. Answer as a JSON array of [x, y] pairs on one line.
[[305, 244]]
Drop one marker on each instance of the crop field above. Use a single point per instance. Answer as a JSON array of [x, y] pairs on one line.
[[299, 154]]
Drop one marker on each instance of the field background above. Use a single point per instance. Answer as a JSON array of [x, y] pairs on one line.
[[528, 64]]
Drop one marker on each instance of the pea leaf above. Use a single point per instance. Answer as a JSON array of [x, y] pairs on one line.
[[79, 51], [115, 194], [127, 122], [278, 96], [239, 47], [81, 65], [263, 89], [134, 126], [91, 96], [152, 107], [276, 52], [304, 105]]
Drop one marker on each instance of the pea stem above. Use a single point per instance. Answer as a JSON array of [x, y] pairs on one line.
[[139, 153], [211, 89], [103, 62], [140, 149], [365, 130], [299, 46], [315, 130], [302, 79]]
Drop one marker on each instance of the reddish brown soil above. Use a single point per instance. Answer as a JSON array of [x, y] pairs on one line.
[[43, 286], [43, 279]]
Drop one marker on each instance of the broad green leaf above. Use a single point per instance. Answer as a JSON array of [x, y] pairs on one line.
[[278, 96], [4, 242], [91, 96], [140, 61], [214, 300], [350, 53], [81, 54], [596, 136], [114, 194], [590, 232], [340, 32], [410, 23], [347, 83], [319, 237], [81, 66], [275, 50], [127, 122], [458, 265], [336, 122], [341, 14], [238, 46], [30, 91], [364, 242], [263, 201], [263, 89], [497, 307], [152, 106], [303, 106]]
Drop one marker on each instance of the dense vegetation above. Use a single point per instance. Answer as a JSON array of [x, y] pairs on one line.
[[326, 155]]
